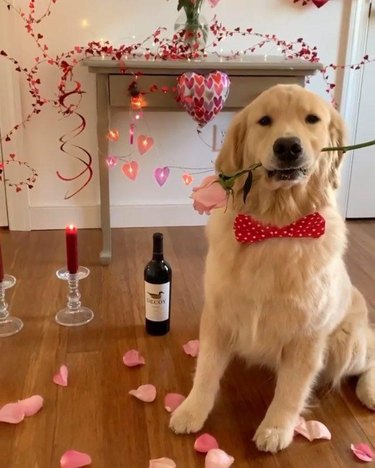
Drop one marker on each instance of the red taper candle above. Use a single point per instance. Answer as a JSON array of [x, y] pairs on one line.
[[1, 267], [71, 248]]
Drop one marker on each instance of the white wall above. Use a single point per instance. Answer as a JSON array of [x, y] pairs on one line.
[[176, 140]]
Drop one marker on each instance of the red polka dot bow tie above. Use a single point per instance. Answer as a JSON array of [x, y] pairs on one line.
[[248, 230]]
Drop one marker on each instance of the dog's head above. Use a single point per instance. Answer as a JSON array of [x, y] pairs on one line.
[[285, 128]]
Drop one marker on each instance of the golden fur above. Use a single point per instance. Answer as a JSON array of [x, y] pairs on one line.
[[285, 303]]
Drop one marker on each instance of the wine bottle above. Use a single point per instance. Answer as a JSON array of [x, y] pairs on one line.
[[158, 280]]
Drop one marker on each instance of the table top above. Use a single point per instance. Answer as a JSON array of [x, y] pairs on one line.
[[252, 64]]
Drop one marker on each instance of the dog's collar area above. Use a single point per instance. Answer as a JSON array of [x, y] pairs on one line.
[[248, 230]]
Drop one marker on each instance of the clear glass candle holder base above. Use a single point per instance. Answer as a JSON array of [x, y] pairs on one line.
[[9, 325], [74, 314], [74, 319]]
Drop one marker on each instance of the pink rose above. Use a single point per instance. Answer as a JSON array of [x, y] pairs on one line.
[[210, 194]]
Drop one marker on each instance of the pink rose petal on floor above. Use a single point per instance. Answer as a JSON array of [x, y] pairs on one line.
[[312, 430], [74, 459], [205, 442], [172, 401], [12, 413], [162, 463], [61, 378], [363, 452], [145, 393], [31, 405], [217, 458], [192, 348], [133, 358]]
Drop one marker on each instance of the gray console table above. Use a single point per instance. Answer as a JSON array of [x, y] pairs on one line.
[[249, 77]]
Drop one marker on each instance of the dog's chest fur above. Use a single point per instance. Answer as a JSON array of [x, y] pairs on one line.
[[277, 289]]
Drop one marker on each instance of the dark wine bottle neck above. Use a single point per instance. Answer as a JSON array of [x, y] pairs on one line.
[[157, 251], [157, 256]]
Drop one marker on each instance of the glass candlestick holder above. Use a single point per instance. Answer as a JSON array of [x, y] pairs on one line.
[[74, 314], [8, 325]]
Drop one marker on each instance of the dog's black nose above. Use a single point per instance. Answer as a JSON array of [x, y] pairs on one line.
[[287, 149]]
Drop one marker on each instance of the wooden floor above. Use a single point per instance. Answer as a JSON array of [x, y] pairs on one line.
[[94, 413]]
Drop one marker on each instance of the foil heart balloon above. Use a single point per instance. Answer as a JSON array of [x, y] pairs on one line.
[[203, 97]]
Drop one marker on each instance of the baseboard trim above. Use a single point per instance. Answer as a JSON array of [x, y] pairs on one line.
[[87, 217]]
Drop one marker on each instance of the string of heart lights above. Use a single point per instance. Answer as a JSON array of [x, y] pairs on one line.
[[143, 144]]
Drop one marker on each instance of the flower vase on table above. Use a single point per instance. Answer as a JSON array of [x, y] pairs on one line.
[[191, 26]]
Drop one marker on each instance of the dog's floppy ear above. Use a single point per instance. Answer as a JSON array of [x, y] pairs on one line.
[[231, 156], [337, 137]]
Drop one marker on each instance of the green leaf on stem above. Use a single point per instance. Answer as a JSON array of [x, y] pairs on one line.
[[247, 185]]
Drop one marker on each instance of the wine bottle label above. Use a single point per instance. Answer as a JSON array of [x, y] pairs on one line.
[[157, 301]]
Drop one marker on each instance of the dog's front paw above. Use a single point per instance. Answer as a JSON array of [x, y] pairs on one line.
[[273, 439], [366, 389], [187, 418]]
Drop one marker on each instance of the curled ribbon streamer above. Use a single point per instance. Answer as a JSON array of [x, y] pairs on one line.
[[66, 139]]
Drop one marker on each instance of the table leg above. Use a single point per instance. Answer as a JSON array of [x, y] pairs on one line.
[[102, 105]]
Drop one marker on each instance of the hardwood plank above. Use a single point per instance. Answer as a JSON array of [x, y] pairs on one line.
[[95, 413]]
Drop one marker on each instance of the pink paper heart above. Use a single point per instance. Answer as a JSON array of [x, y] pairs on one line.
[[213, 3], [31, 405], [146, 393], [161, 175], [61, 378], [74, 459], [12, 413], [133, 358], [312, 430], [130, 169], [205, 442], [363, 452], [144, 143], [173, 401], [162, 463], [191, 348], [217, 458]]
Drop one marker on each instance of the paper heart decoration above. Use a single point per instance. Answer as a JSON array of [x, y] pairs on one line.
[[144, 143], [203, 97], [161, 175], [213, 3], [130, 169], [319, 3]]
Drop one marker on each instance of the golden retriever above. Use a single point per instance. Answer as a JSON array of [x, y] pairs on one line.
[[286, 303]]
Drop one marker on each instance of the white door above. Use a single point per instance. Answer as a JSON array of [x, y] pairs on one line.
[[3, 206], [361, 199]]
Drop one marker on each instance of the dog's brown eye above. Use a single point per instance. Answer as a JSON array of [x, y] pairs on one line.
[[312, 119], [265, 121]]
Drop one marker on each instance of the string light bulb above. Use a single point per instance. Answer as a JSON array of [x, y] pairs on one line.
[[113, 135], [111, 161], [187, 178]]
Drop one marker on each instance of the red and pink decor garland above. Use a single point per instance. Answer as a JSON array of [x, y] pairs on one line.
[[157, 46]]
